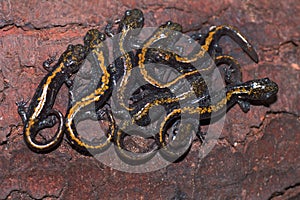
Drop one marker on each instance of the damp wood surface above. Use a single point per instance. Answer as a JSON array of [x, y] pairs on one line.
[[257, 155]]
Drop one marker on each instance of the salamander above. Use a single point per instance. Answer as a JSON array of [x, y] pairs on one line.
[[192, 65], [80, 109], [185, 66], [254, 90], [124, 57], [40, 113]]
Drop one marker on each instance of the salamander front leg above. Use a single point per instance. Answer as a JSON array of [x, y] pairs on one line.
[[244, 105], [200, 134], [22, 109], [233, 76], [199, 37], [109, 27], [47, 64]]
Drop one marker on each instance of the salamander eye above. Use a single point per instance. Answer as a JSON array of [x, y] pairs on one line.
[[102, 36], [69, 61], [70, 47], [266, 80], [141, 19], [128, 12], [168, 23]]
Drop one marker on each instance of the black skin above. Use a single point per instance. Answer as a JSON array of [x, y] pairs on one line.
[[92, 40], [232, 73], [210, 41], [149, 93], [68, 64]]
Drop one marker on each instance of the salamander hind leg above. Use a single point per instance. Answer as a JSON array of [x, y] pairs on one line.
[[232, 71]]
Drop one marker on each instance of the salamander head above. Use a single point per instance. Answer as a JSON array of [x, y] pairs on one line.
[[93, 39], [132, 19], [73, 57], [261, 89], [171, 26]]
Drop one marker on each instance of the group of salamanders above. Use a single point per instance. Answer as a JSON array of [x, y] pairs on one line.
[[130, 65]]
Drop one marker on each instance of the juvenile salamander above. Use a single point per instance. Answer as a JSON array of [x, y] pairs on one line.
[[254, 90], [128, 29], [40, 113], [79, 110]]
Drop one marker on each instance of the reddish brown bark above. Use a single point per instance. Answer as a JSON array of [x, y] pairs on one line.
[[257, 156]]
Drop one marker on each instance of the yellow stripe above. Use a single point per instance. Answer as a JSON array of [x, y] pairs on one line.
[[202, 110], [41, 102]]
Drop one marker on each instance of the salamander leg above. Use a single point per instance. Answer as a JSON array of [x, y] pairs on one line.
[[47, 64], [109, 28], [22, 109], [232, 73]]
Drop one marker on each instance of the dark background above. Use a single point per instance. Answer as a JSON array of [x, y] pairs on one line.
[[257, 155]]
